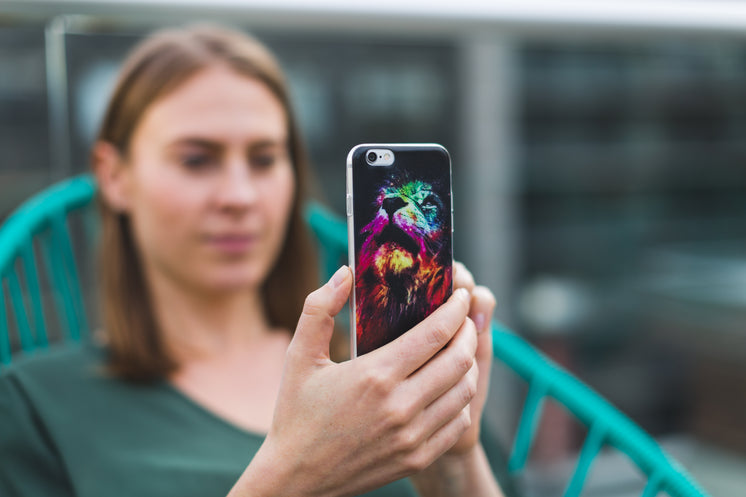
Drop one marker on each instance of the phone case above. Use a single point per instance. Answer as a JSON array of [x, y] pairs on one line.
[[400, 225]]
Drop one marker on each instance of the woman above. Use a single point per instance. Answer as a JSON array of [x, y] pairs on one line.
[[201, 387]]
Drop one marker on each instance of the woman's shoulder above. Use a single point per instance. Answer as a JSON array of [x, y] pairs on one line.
[[63, 383], [56, 372], [57, 360]]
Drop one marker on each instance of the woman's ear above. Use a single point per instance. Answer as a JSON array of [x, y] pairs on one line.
[[111, 175]]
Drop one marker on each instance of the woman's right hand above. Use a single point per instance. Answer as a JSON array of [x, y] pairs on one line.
[[346, 428]]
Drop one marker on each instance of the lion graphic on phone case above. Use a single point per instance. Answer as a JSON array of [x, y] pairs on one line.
[[405, 261]]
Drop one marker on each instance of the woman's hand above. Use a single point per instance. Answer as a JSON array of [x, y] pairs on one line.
[[481, 312], [464, 469], [343, 429]]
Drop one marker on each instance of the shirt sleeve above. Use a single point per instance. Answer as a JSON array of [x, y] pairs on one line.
[[29, 463]]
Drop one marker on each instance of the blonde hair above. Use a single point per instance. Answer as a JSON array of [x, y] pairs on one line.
[[157, 66]]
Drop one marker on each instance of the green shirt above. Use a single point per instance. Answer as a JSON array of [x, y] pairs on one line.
[[69, 429]]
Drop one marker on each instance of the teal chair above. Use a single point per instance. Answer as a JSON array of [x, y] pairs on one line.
[[41, 225]]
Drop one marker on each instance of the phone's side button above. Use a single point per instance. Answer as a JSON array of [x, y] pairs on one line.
[[348, 202]]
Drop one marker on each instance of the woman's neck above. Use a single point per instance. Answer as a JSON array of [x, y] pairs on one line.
[[200, 325]]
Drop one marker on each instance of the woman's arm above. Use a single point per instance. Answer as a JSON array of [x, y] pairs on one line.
[[29, 464]]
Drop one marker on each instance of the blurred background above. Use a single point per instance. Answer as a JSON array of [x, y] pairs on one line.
[[599, 171]]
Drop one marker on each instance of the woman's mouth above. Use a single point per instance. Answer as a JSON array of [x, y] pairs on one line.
[[232, 244]]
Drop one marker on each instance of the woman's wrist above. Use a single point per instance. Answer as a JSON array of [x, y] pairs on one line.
[[455, 474], [263, 477]]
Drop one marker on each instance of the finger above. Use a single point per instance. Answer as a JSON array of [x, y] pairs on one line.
[[484, 362], [482, 308], [316, 323], [462, 277], [414, 348], [454, 404], [448, 435], [443, 371], [484, 351]]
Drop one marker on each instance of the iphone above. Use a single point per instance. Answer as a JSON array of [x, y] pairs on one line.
[[400, 229]]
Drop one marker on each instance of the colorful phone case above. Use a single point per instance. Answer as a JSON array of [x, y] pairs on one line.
[[400, 239]]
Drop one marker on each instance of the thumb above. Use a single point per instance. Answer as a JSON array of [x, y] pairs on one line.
[[316, 323]]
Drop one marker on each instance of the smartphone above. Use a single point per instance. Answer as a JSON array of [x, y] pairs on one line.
[[400, 229]]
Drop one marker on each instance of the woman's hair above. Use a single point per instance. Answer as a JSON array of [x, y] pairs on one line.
[[156, 67]]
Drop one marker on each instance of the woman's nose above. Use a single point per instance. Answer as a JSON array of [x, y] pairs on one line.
[[237, 189]]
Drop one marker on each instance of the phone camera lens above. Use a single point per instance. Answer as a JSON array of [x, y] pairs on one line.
[[371, 157]]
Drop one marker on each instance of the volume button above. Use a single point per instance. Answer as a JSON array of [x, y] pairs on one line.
[[348, 202]]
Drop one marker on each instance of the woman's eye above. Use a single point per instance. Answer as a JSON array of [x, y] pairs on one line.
[[196, 161], [263, 161]]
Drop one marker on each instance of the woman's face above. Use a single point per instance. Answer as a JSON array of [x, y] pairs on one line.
[[210, 182]]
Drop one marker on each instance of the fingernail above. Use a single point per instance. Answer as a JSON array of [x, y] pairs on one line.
[[339, 277], [463, 294], [479, 322]]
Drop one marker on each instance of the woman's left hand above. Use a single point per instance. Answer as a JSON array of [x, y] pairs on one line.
[[464, 469], [481, 311]]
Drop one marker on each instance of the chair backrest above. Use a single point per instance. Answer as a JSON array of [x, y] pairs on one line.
[[35, 240], [41, 224], [331, 233], [607, 426]]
